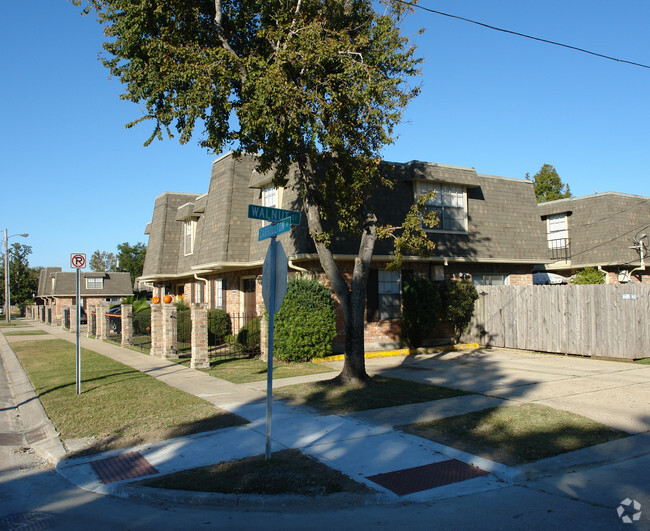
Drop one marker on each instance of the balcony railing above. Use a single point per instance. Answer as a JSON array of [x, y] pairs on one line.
[[559, 249]]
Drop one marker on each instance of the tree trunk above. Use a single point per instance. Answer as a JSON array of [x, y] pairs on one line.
[[353, 297]]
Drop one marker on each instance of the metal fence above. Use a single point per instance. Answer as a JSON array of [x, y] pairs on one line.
[[114, 322], [66, 318], [184, 332], [233, 335], [593, 320], [142, 330]]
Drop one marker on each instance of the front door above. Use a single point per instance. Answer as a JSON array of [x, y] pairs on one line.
[[250, 308]]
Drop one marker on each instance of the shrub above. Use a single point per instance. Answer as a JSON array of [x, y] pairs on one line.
[[458, 298], [183, 326], [305, 326], [421, 309], [219, 326], [142, 323], [248, 336], [589, 275]]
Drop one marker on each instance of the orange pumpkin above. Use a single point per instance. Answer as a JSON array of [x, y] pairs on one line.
[[167, 299], [155, 300]]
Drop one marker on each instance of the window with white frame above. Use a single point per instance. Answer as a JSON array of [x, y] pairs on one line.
[[217, 293], [489, 280], [269, 199], [449, 204], [188, 236], [557, 231], [389, 295], [94, 283]]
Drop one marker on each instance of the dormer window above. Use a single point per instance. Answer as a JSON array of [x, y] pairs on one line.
[[94, 283], [449, 204]]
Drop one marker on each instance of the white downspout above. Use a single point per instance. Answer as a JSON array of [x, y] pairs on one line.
[[207, 285]]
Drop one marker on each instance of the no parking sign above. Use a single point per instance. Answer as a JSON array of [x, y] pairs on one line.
[[77, 260]]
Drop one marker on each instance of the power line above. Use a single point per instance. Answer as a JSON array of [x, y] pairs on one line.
[[518, 34]]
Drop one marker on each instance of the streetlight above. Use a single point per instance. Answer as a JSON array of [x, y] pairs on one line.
[[7, 289]]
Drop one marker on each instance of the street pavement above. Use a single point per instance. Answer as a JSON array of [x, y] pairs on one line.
[[582, 488]]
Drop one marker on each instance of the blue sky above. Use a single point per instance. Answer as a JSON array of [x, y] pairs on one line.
[[77, 180]]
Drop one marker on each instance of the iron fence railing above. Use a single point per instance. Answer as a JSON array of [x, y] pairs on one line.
[[233, 335]]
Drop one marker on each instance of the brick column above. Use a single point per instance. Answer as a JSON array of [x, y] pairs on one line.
[[199, 315], [264, 332], [156, 330], [169, 330], [89, 318], [73, 318], [127, 325], [102, 321]]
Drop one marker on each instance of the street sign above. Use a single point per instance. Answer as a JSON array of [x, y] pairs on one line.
[[274, 270], [274, 229], [273, 214], [77, 260]]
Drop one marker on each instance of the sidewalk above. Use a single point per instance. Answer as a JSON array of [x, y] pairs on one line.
[[362, 445]]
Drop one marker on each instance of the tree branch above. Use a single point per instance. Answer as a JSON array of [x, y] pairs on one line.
[[218, 17]]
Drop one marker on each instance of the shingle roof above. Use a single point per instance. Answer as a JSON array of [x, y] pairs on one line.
[[114, 285], [602, 226]]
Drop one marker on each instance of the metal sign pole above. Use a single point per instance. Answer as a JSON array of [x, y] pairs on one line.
[[269, 363], [78, 317]]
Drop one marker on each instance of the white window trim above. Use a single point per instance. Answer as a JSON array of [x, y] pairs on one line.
[[192, 227], [422, 187], [94, 280], [557, 234]]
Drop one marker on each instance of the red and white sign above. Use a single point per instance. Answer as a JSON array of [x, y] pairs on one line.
[[77, 260]]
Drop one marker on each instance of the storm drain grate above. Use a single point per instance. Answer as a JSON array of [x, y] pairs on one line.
[[11, 439], [126, 466], [30, 521], [425, 477]]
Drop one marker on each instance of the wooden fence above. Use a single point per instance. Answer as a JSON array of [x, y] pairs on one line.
[[596, 320]]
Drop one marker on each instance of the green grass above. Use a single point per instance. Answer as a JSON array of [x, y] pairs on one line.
[[246, 370], [515, 435], [118, 405], [26, 333], [378, 393], [287, 472], [644, 361], [5, 324]]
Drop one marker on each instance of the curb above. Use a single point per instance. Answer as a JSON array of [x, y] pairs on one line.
[[403, 352]]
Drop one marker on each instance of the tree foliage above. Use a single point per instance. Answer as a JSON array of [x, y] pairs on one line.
[[548, 185], [23, 280], [313, 88], [131, 258], [589, 275], [102, 261]]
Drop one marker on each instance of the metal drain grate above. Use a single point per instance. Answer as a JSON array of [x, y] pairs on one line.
[[126, 466], [31, 521], [425, 477]]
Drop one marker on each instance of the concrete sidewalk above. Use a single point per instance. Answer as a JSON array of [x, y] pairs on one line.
[[364, 445]]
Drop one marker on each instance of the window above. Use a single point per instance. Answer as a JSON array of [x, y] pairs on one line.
[[389, 295], [188, 236], [94, 283], [449, 204], [489, 280], [269, 199], [217, 294], [557, 231]]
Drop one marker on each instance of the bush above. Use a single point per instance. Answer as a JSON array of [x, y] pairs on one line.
[[305, 326], [142, 323], [249, 338], [458, 298], [219, 326], [183, 326], [421, 309], [589, 275]]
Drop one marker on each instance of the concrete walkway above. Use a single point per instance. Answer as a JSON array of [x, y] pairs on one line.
[[365, 445]]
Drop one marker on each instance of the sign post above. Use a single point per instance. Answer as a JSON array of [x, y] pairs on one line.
[[274, 286], [77, 261]]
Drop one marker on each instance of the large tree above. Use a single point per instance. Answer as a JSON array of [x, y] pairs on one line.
[[131, 258], [312, 87], [102, 261], [548, 185], [23, 280]]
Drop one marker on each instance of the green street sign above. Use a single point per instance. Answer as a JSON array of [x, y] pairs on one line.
[[273, 214]]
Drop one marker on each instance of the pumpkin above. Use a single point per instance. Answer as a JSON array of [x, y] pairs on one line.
[[167, 299], [155, 300]]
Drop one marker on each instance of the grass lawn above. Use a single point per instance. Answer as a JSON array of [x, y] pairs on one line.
[[26, 333], [515, 435], [246, 370], [379, 392], [287, 472], [118, 405], [644, 361], [5, 324]]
